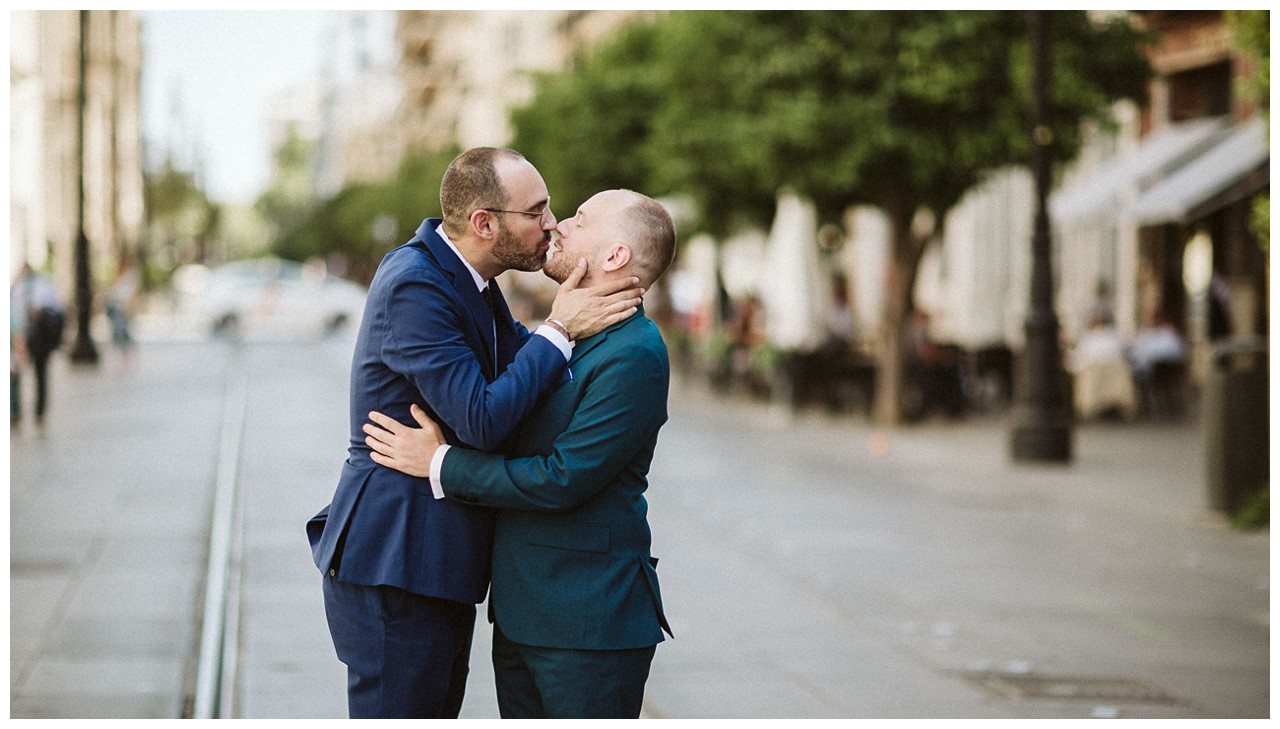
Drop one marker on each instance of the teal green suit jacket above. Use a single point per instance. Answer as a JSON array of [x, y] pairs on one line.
[[571, 562]]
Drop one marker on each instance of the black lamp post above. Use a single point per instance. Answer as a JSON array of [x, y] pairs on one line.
[[84, 351], [1042, 429]]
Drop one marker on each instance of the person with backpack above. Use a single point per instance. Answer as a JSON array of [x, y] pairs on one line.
[[38, 319]]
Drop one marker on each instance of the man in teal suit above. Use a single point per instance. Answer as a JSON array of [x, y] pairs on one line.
[[574, 594]]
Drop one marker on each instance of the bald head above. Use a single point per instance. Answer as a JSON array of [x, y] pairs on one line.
[[648, 229], [619, 233]]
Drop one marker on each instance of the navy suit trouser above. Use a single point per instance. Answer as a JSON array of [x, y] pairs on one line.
[[407, 655], [559, 683]]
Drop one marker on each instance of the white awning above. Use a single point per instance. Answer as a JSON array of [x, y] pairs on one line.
[[1102, 191], [1209, 174], [795, 291]]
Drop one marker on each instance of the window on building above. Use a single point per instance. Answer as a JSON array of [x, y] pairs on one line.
[[1200, 92]]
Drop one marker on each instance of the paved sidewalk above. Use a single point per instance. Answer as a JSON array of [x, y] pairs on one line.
[[108, 522], [825, 568], [811, 567]]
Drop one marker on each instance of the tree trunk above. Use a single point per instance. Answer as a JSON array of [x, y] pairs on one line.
[[899, 289]]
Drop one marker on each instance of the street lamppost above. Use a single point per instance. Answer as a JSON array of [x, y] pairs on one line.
[[84, 351], [1042, 429]]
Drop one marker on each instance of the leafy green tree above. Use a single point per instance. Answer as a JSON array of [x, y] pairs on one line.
[[177, 210], [364, 220], [903, 110], [288, 202], [586, 130], [414, 192], [1251, 32]]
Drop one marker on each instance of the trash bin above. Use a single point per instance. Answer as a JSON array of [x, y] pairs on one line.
[[1236, 421]]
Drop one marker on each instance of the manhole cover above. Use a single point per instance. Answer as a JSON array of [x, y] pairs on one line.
[[1032, 686]]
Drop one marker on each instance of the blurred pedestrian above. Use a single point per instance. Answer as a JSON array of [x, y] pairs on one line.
[[122, 303], [1103, 382], [1157, 356], [1221, 326], [38, 318], [575, 626], [1156, 342], [935, 369], [17, 363], [746, 333], [842, 327], [403, 573], [1101, 309]]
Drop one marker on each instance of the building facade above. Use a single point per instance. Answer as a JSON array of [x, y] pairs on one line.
[[1165, 204], [45, 141], [1151, 218], [464, 71]]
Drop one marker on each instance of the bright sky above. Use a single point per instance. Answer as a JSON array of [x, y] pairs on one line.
[[224, 68]]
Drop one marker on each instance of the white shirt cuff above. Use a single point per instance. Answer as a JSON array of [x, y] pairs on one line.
[[437, 465], [555, 337]]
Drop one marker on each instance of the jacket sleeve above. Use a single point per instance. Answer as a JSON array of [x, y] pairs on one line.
[[624, 405], [425, 343]]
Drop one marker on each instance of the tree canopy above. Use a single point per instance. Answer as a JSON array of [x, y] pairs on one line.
[[1251, 32], [362, 221], [178, 210], [898, 109], [902, 110]]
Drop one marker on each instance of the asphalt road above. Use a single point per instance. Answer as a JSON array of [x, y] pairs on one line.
[[812, 567]]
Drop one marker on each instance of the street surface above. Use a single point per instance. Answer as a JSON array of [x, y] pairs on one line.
[[811, 567]]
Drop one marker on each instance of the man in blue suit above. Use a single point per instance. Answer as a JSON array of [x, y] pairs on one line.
[[574, 599], [402, 570]]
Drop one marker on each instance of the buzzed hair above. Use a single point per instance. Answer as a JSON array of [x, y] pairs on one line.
[[654, 233], [470, 183]]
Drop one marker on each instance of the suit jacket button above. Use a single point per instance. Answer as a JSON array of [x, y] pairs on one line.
[[333, 573]]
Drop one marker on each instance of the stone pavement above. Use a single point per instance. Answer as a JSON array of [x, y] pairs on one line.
[[824, 568], [812, 567], [108, 512]]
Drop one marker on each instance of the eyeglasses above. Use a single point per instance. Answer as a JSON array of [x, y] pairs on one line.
[[539, 214]]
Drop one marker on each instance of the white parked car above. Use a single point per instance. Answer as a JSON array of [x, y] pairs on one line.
[[271, 298]]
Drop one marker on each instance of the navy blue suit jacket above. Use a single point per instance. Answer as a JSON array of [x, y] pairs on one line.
[[427, 337]]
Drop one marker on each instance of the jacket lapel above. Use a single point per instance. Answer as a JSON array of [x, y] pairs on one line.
[[481, 317]]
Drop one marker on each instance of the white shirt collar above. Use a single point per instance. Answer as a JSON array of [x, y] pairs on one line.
[[481, 284]]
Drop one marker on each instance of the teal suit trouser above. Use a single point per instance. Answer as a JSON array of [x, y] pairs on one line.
[[557, 683]]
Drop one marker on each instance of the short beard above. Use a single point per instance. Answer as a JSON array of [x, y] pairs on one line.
[[508, 251], [558, 268]]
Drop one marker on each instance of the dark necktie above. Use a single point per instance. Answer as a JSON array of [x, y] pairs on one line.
[[487, 293]]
